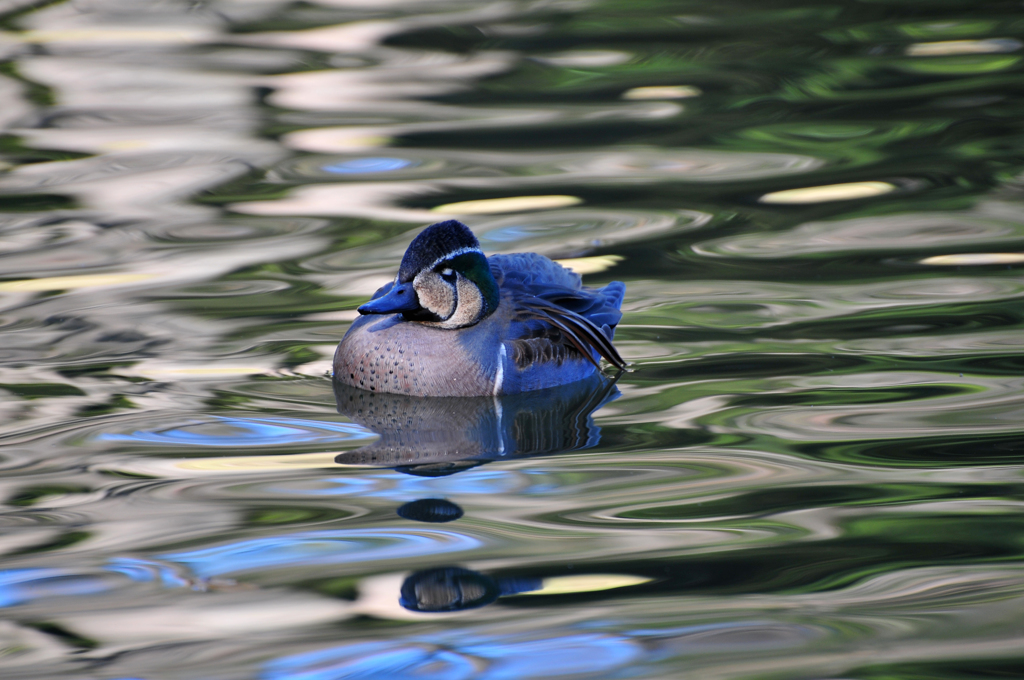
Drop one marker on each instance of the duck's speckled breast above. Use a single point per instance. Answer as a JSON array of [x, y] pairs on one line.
[[392, 355]]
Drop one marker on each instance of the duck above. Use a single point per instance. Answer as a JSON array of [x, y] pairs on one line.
[[456, 323]]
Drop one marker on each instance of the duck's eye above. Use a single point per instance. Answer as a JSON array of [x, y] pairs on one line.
[[448, 275]]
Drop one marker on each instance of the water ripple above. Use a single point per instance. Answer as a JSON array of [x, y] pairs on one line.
[[564, 232], [449, 181], [236, 432], [474, 657], [883, 309], [18, 586], [927, 405], [813, 472], [992, 222], [321, 547]]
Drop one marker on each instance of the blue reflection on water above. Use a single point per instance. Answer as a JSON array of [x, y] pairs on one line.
[[364, 165], [225, 431], [455, 653], [507, 234], [474, 482], [679, 631], [370, 660], [393, 486], [321, 547], [145, 571], [567, 655], [334, 486], [23, 585], [461, 656]]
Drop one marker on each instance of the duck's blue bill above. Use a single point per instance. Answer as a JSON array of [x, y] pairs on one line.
[[399, 299]]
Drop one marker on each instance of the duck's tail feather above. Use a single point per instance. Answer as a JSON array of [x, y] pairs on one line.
[[582, 333], [614, 293]]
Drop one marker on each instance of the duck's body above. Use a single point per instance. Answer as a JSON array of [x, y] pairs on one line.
[[455, 323]]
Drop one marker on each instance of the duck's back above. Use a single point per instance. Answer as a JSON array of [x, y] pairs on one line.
[[532, 269], [543, 294], [529, 274]]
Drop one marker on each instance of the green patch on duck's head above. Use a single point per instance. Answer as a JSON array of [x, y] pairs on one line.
[[449, 276], [474, 267]]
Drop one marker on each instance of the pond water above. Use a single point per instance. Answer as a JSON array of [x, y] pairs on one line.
[[814, 469]]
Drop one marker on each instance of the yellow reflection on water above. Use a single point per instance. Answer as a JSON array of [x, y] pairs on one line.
[[513, 204], [662, 92], [111, 35], [952, 47], [974, 259], [587, 583], [830, 192], [52, 283], [590, 265]]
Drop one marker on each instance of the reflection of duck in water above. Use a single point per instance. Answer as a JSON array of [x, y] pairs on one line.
[[452, 589], [441, 435], [455, 323]]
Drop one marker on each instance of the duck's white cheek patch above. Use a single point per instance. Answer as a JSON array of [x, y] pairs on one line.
[[434, 294], [470, 305]]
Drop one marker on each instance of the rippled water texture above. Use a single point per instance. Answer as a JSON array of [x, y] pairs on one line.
[[814, 471]]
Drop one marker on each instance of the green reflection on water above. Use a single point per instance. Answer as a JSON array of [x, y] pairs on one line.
[[823, 427]]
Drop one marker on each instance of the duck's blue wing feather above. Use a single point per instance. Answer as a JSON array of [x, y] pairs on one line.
[[556, 317]]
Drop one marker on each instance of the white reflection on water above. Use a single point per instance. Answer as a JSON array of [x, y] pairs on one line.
[[978, 405], [625, 163], [345, 546], [979, 342], [157, 431], [130, 185], [525, 172], [237, 432], [737, 304], [989, 222]]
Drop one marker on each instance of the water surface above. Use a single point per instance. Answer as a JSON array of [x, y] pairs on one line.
[[814, 471]]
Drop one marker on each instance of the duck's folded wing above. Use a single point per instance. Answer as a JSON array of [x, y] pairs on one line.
[[558, 314], [578, 330], [600, 307]]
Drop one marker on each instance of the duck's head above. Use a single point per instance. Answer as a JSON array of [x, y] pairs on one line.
[[444, 280]]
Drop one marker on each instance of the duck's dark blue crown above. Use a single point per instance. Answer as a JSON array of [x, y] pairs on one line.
[[435, 243]]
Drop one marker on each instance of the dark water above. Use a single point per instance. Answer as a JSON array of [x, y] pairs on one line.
[[815, 470]]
